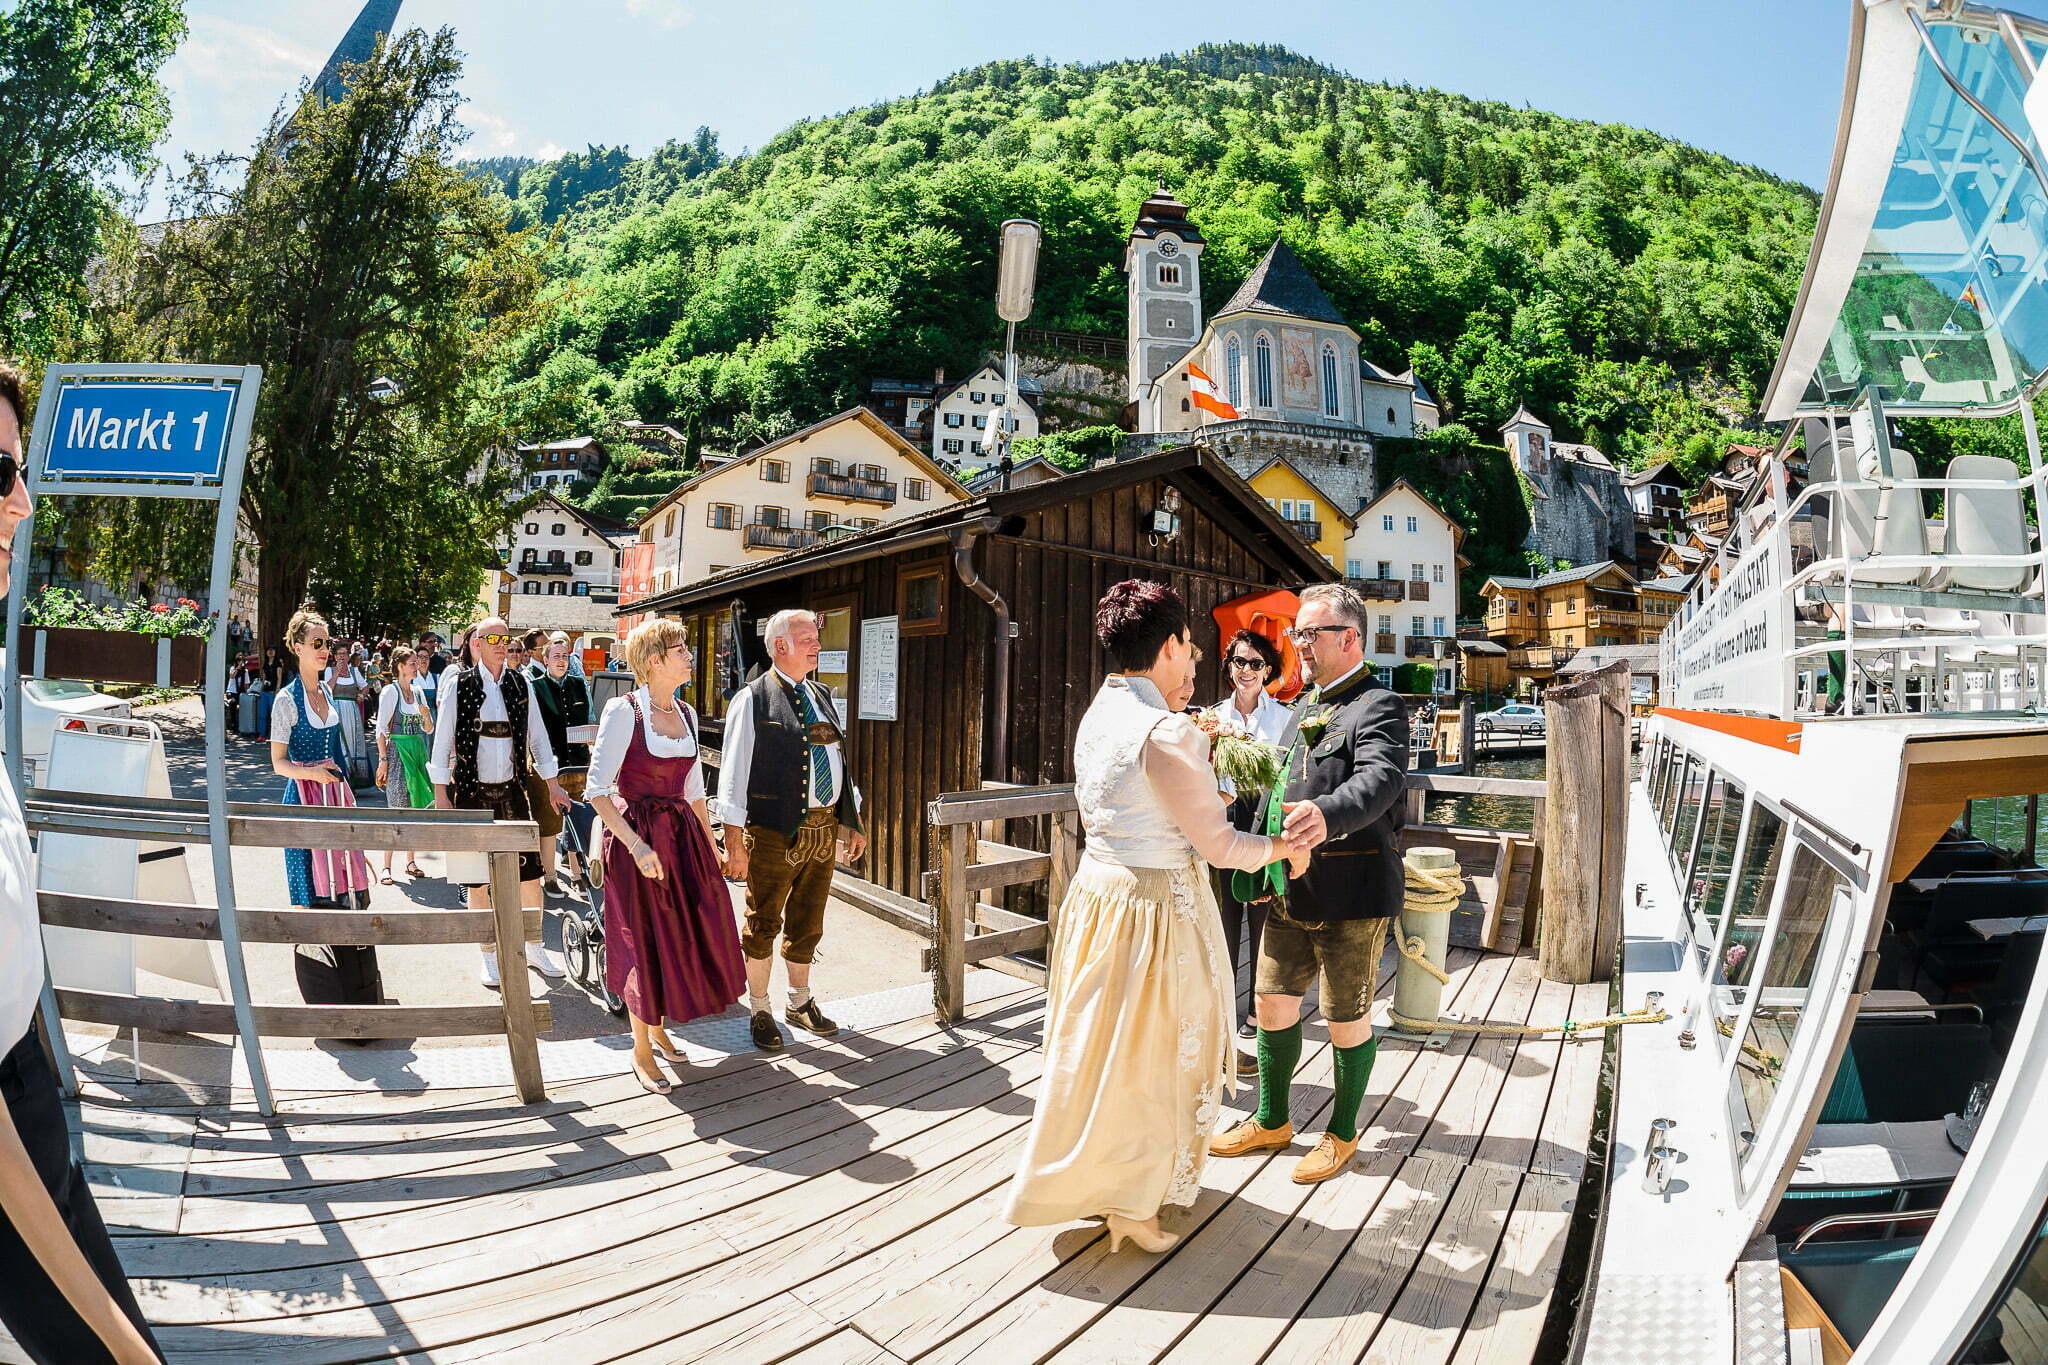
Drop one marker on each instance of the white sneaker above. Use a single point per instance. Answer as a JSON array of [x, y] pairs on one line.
[[545, 962], [490, 972]]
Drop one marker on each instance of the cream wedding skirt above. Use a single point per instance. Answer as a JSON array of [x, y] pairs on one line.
[[1138, 1051]]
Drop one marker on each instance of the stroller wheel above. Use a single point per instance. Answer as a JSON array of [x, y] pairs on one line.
[[576, 949], [614, 1005]]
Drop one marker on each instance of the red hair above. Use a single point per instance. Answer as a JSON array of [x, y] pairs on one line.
[[1135, 619]]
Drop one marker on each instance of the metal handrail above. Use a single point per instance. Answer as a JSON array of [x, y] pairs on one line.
[[1844, 1220]]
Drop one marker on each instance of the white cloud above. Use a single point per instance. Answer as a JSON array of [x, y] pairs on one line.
[[490, 134], [661, 13], [225, 59]]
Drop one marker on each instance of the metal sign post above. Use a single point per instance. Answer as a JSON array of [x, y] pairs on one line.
[[152, 431]]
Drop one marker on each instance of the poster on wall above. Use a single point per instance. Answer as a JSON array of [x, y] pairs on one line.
[[878, 662]]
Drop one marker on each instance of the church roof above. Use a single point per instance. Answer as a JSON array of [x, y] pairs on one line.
[[358, 45], [1280, 283], [1522, 414], [1162, 213], [1422, 393]]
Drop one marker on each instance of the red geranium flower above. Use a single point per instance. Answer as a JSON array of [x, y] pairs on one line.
[[160, 607]]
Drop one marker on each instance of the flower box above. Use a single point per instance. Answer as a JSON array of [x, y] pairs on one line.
[[124, 656]]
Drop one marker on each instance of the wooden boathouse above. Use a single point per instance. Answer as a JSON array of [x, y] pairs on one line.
[[983, 610]]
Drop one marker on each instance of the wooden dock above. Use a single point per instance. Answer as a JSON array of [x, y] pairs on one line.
[[842, 1202]]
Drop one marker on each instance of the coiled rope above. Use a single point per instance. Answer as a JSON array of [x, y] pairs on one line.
[[1435, 891]]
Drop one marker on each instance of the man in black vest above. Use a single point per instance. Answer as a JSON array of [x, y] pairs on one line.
[[484, 732], [1347, 770], [788, 807]]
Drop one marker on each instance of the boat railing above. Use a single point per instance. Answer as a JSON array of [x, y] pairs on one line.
[[1864, 615]]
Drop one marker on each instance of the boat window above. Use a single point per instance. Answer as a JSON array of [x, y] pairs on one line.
[[1814, 898], [1749, 905], [1667, 809], [1691, 784], [2018, 1323], [2001, 821], [1660, 774], [1720, 822]]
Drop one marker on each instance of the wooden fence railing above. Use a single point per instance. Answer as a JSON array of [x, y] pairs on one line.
[[1502, 876], [516, 1015]]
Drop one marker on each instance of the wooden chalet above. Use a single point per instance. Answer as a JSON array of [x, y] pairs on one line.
[[955, 705]]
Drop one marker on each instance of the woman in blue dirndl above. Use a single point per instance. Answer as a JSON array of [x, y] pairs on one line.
[[306, 750]]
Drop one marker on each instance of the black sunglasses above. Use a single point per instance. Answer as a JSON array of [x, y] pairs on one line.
[[1240, 661], [10, 470]]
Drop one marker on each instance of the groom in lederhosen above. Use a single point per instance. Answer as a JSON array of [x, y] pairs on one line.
[[1347, 766], [789, 810], [485, 731]]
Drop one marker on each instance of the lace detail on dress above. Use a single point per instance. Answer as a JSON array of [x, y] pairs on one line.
[[1186, 1181], [1190, 1044]]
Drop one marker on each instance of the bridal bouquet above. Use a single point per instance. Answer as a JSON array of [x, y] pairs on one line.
[[1252, 765]]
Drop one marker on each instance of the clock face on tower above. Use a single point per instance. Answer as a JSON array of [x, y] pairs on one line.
[[1168, 247]]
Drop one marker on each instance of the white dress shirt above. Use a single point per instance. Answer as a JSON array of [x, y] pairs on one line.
[[615, 741], [493, 756], [736, 759], [21, 935]]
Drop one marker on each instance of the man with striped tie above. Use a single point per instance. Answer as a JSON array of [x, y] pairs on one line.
[[789, 809]]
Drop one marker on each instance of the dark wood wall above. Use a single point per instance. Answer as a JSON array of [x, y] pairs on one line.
[[1055, 569]]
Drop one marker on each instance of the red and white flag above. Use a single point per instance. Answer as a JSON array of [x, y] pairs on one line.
[[1202, 389]]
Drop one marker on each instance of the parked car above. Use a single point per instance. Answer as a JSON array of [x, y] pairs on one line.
[[1515, 716]]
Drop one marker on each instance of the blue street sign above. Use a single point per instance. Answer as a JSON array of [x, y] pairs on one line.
[[136, 429]]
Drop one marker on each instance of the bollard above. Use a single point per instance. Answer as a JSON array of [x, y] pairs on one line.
[[1418, 996]]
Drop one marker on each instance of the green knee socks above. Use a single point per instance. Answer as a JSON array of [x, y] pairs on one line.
[[1354, 1066], [1279, 1053]]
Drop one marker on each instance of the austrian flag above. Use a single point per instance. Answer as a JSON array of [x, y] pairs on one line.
[[1202, 389]]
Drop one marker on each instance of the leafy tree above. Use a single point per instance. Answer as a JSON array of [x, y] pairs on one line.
[[81, 107], [346, 249], [1072, 451]]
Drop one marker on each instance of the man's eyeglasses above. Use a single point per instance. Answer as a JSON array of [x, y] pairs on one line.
[[1242, 662], [505, 640], [1302, 635]]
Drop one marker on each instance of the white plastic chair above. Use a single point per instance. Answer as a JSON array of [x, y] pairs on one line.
[[1985, 521]]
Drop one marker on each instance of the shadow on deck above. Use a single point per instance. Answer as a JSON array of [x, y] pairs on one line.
[[841, 1203]]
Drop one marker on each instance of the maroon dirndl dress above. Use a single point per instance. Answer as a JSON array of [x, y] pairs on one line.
[[672, 950]]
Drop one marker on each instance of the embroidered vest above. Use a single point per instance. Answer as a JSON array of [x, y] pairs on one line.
[[778, 782], [469, 705]]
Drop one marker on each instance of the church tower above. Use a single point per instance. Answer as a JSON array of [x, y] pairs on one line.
[[1162, 261], [1527, 438], [377, 20]]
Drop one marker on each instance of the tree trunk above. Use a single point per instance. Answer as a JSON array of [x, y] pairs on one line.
[[280, 587]]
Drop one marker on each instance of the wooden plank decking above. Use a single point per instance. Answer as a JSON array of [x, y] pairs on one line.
[[841, 1203]]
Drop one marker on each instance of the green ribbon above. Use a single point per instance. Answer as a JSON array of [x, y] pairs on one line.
[[1271, 880]]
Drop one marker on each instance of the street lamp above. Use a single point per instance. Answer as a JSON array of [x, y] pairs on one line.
[[1016, 274]]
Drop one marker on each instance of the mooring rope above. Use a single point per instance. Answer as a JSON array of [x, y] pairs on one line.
[[1434, 891]]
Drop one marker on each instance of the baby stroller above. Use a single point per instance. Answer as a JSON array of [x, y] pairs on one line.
[[583, 924]]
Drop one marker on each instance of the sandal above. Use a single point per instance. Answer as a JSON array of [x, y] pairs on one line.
[[387, 880], [413, 870]]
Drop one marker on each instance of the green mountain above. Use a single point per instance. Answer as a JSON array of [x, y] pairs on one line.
[[1630, 288]]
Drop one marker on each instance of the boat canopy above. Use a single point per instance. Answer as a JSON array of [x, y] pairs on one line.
[[1928, 278]]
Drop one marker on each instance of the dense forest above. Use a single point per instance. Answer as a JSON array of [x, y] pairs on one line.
[[1630, 288]]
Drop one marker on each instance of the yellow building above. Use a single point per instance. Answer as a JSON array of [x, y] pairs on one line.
[[1542, 622], [1305, 507]]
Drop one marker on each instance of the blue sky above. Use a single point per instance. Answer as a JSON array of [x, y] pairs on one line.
[[1758, 80]]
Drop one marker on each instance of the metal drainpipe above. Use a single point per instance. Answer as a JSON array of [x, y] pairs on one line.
[[963, 538]]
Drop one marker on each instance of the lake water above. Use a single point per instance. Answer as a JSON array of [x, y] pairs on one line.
[[1490, 812]]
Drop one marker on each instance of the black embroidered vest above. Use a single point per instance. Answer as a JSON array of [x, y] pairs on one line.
[[469, 705], [778, 780]]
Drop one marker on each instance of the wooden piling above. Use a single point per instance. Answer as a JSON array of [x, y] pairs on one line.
[[1586, 721]]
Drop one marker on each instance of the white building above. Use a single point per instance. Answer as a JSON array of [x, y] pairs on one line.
[[848, 472], [965, 417], [1403, 557], [558, 464], [562, 573]]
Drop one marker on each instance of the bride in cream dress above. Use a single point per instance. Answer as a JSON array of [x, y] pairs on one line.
[[1138, 1049]]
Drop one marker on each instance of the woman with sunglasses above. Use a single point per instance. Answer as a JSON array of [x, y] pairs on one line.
[[1250, 663], [306, 751]]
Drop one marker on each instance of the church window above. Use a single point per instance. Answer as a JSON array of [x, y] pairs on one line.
[[1262, 373], [1233, 373], [1330, 405], [1390, 417], [1169, 274]]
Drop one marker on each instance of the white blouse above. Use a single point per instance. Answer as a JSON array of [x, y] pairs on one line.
[[389, 704], [615, 739], [21, 939], [284, 714]]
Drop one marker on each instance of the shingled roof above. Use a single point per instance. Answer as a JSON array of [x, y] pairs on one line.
[[1280, 283]]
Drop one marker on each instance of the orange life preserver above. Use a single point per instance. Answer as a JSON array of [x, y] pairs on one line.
[[1268, 614]]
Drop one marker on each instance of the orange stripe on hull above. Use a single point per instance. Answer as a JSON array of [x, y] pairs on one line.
[[1774, 734]]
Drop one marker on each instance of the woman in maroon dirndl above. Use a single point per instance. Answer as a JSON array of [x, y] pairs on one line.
[[672, 950]]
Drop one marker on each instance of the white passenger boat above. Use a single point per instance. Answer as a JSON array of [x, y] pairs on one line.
[[1835, 1145]]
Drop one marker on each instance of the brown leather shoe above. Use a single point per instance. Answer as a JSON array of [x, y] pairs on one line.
[[1242, 1138], [1330, 1155], [1247, 1064]]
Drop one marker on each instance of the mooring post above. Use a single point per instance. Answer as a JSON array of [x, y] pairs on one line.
[[1418, 995], [1586, 723]]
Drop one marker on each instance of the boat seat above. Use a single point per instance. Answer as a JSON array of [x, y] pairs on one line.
[[2006, 995], [1852, 1280], [1856, 532], [1896, 1072], [1955, 856], [1984, 521]]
